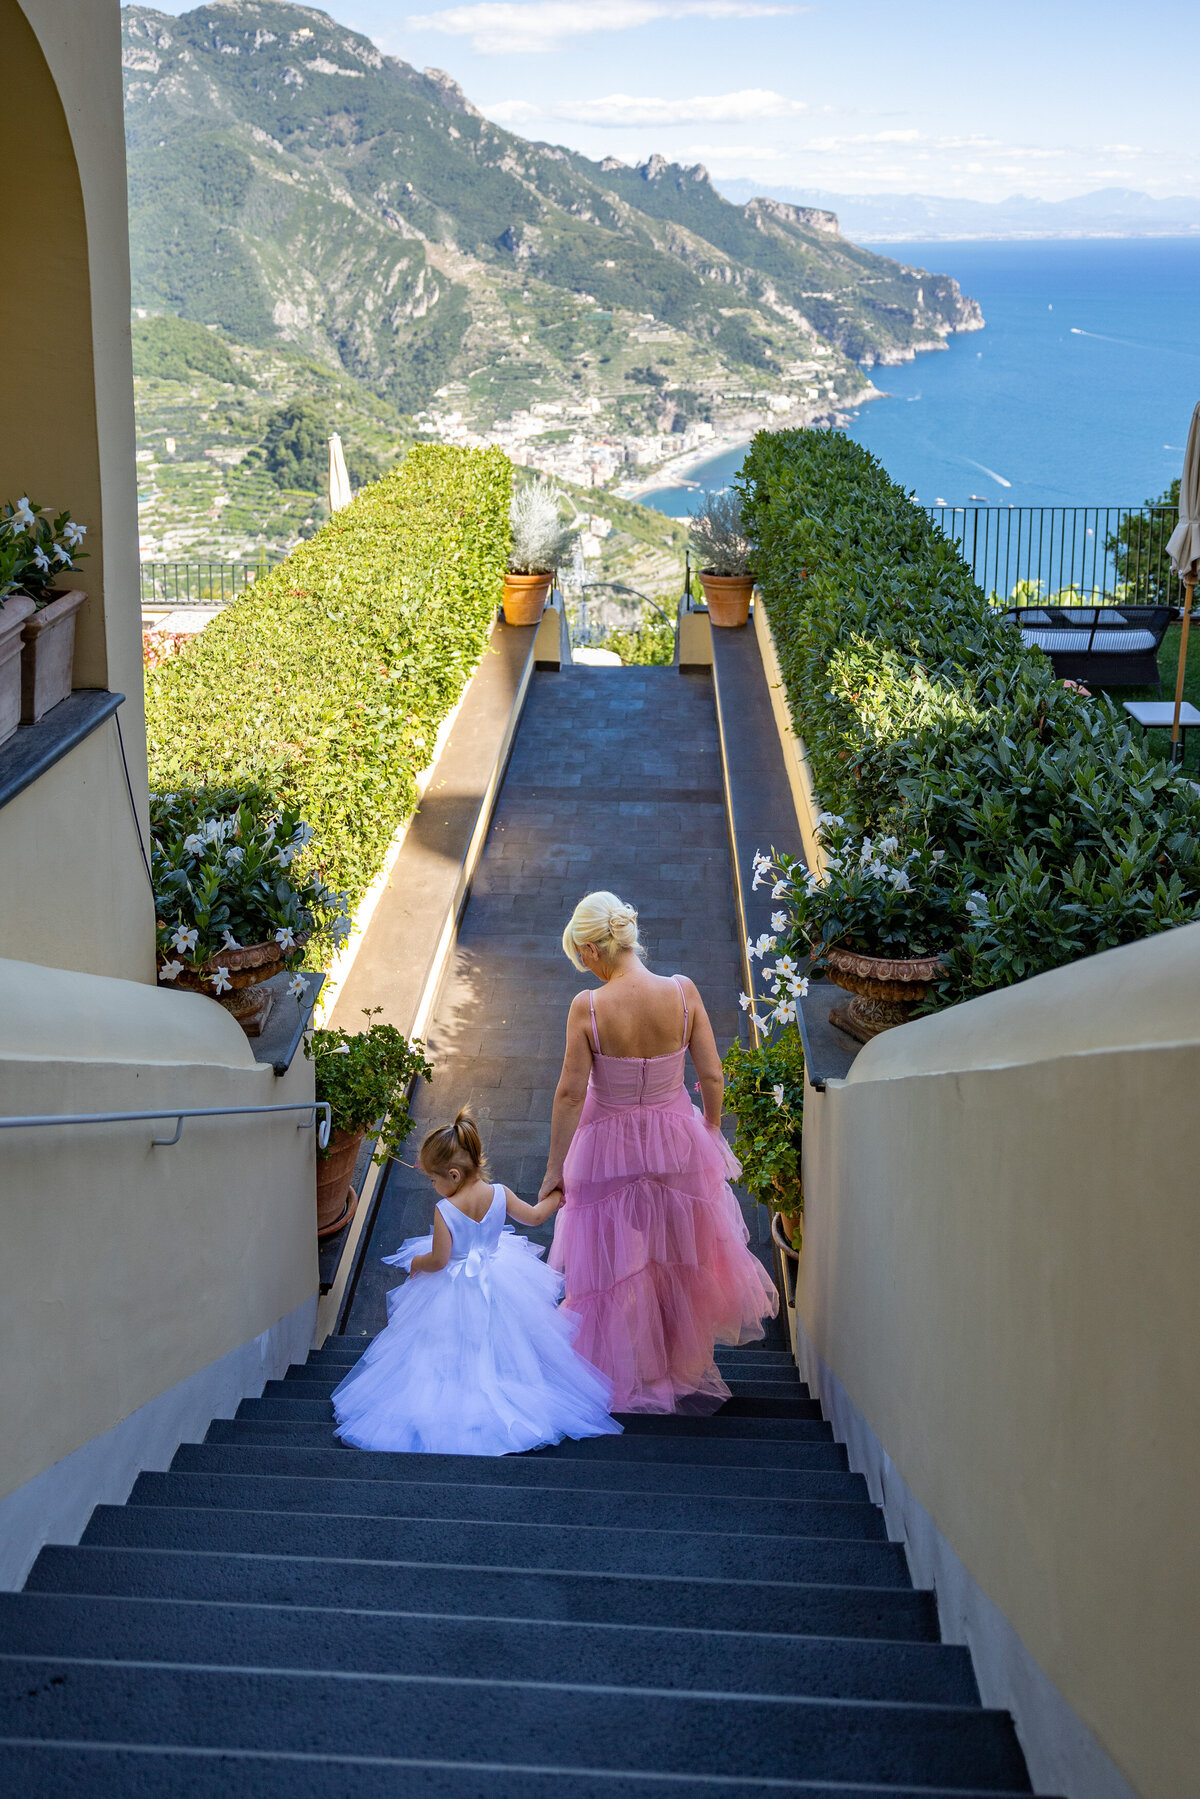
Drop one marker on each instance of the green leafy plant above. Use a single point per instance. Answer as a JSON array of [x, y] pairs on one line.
[[764, 1089], [1138, 548], [873, 896], [540, 538], [36, 548], [647, 645], [365, 1078], [231, 869], [323, 685], [718, 537], [926, 717]]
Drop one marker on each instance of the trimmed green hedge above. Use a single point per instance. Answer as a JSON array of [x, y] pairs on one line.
[[925, 715], [326, 683]]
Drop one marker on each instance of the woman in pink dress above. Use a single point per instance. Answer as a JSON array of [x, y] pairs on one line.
[[651, 1240]]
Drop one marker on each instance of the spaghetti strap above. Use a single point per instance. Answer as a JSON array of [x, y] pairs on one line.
[[683, 997], [595, 1032]]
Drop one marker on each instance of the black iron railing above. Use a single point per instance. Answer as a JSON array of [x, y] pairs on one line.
[[1096, 555], [198, 583]]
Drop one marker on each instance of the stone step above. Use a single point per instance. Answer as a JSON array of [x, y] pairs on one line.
[[567, 1508], [480, 1544], [309, 1383], [58, 1770], [333, 1579], [729, 1361], [722, 1425], [250, 1636], [809, 1445], [547, 1725], [529, 1475]]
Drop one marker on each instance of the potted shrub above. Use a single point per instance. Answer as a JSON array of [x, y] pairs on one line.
[[539, 545], [879, 921], [43, 549], [720, 545], [764, 1089], [232, 908], [365, 1080], [15, 609]]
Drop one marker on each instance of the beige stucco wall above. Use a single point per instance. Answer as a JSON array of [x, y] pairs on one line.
[[127, 1268], [67, 439], [1001, 1263]]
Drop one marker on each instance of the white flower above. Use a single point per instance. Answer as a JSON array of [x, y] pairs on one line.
[[829, 818], [779, 921], [302, 834], [64, 555], [777, 1095], [184, 940], [170, 971], [231, 941], [937, 855], [749, 949], [799, 989], [760, 1022], [234, 856], [745, 1001], [764, 944], [977, 905], [270, 831], [761, 861], [887, 846], [779, 889], [867, 852], [194, 845], [900, 881], [221, 981], [286, 855], [812, 881], [341, 930], [785, 967], [41, 558], [756, 883], [785, 1012], [23, 517], [286, 936], [74, 534], [297, 986]]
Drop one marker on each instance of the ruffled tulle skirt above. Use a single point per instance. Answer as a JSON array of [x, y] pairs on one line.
[[481, 1361], [653, 1248]]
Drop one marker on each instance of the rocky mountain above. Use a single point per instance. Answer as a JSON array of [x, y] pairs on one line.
[[1108, 212], [294, 187]]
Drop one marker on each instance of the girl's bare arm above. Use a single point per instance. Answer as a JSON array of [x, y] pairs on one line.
[[435, 1259], [524, 1213], [706, 1060], [570, 1093]]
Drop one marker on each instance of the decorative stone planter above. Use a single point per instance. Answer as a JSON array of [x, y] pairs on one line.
[[887, 989], [246, 968], [48, 655], [525, 598], [336, 1198], [13, 615], [728, 598]]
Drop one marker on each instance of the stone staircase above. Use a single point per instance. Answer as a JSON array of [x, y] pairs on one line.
[[699, 1607]]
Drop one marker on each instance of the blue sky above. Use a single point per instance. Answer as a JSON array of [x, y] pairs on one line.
[[1043, 97]]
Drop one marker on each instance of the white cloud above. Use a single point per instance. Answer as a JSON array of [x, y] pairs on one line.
[[497, 27], [724, 153], [629, 109]]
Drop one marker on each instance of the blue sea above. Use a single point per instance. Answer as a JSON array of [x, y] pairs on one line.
[[1078, 392]]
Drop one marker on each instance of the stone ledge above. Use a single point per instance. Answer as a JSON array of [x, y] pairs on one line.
[[33, 750]]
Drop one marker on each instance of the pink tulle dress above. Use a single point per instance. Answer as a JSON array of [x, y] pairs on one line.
[[651, 1240]]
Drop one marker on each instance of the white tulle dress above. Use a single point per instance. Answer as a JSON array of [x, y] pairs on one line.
[[477, 1359]]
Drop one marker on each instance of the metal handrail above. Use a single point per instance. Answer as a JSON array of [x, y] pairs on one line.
[[179, 1113]]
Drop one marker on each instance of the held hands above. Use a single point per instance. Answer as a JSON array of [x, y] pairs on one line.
[[550, 1202], [551, 1184]]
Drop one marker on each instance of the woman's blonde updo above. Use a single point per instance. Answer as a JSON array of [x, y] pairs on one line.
[[604, 921], [454, 1145]]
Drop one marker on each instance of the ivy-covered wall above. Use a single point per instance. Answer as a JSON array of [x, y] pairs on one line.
[[326, 683], [925, 715]]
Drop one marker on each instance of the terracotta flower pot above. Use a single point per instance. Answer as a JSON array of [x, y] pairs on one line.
[[48, 656], [887, 989], [525, 598], [728, 597], [336, 1198], [13, 616], [245, 970]]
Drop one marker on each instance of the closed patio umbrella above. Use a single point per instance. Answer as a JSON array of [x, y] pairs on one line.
[[1183, 547], [339, 480]]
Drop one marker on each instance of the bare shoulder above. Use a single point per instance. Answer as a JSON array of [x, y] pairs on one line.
[[580, 1006], [694, 996]]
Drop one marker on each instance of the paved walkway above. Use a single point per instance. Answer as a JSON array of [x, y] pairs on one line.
[[615, 781]]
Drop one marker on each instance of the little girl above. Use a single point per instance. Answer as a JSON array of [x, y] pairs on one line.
[[476, 1357]]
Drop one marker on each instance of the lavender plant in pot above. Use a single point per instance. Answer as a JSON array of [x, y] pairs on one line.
[[719, 543], [540, 541], [37, 549]]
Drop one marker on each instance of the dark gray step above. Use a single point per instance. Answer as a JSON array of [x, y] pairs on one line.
[[348, 1349], [251, 1636], [561, 1508], [748, 1396], [332, 1579], [61, 1771], [717, 1428], [519, 1724], [531, 1545], [525, 1474], [279, 1424], [770, 1363]]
